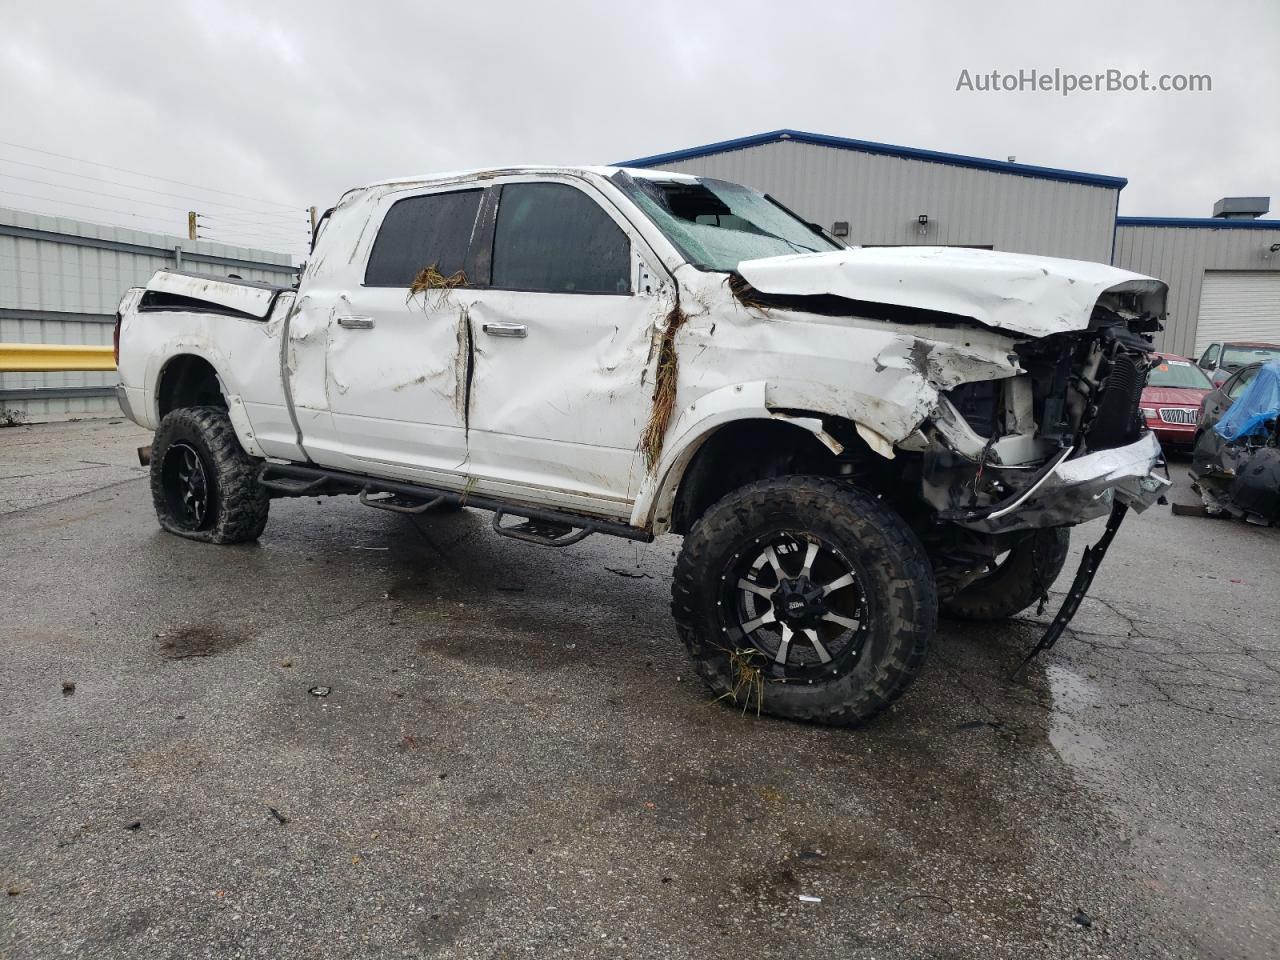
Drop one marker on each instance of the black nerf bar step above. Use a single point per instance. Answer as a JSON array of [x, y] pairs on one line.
[[548, 528], [544, 533]]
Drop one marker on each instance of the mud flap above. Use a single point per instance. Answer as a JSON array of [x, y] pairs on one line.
[[1089, 564]]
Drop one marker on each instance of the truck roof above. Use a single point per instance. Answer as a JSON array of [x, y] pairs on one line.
[[485, 173]]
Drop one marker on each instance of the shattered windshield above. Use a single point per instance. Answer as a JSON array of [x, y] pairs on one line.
[[717, 224], [1172, 373]]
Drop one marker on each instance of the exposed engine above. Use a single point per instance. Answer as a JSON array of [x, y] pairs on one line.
[[1080, 395]]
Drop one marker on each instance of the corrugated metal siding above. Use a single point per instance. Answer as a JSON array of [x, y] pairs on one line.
[[881, 198], [43, 275], [1180, 256], [1239, 305]]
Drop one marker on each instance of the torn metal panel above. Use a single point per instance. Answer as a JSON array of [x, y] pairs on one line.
[[1020, 293], [888, 377], [1067, 490], [240, 296], [243, 351]]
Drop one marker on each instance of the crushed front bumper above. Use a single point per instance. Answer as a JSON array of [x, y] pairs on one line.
[[1075, 490]]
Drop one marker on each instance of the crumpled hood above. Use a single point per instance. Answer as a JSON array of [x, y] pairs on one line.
[[1015, 292]]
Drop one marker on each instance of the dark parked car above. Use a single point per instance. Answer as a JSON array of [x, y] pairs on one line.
[[1220, 360], [1171, 400], [1235, 466], [1219, 400]]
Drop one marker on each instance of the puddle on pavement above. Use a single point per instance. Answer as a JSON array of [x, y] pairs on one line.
[[1072, 694], [191, 642]]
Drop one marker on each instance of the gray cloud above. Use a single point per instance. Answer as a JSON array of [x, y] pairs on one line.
[[296, 102]]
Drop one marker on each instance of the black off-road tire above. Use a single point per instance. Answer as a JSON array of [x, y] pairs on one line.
[[896, 578], [1016, 583], [237, 503]]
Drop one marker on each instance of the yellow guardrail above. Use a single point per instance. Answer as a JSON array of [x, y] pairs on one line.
[[54, 357]]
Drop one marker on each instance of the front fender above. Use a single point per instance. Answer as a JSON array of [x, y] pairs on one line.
[[692, 428]]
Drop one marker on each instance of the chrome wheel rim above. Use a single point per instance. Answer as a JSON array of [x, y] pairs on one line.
[[795, 606]]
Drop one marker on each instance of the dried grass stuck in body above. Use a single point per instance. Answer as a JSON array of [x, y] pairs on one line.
[[745, 293], [748, 680], [664, 389], [430, 278]]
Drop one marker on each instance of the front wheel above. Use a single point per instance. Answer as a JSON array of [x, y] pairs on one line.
[[805, 598], [203, 484]]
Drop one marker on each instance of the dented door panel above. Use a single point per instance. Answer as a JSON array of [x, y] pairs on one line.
[[563, 407], [394, 386]]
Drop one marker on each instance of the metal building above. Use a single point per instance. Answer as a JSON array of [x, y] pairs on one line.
[[1223, 276], [1223, 273], [60, 282], [890, 195]]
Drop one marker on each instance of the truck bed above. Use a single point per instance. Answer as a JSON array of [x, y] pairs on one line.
[[178, 290]]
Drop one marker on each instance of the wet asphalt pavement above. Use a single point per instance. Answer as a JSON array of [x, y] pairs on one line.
[[513, 760]]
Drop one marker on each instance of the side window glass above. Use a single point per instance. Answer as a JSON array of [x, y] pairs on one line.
[[421, 232], [1242, 381], [1210, 356], [552, 237]]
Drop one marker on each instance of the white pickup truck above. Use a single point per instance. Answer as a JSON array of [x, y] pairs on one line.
[[848, 439]]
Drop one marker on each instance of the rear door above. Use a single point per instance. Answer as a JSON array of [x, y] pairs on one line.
[[1221, 399], [398, 343], [563, 335]]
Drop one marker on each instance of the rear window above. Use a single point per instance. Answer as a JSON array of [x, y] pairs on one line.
[[420, 232], [1176, 373], [552, 237]]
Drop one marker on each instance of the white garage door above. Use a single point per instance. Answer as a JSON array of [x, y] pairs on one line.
[[1239, 305]]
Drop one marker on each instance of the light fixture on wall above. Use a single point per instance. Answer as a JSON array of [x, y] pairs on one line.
[[922, 224]]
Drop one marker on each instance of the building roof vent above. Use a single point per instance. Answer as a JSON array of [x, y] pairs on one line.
[[1241, 208]]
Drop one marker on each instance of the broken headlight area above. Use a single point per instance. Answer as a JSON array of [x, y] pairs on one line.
[[1087, 386], [1028, 451]]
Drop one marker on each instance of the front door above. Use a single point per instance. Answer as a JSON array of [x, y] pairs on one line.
[[558, 397]]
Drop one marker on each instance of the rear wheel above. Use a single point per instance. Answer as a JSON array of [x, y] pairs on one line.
[[1020, 578], [203, 484], [805, 598]]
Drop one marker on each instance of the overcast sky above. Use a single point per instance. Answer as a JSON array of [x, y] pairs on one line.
[[287, 104]]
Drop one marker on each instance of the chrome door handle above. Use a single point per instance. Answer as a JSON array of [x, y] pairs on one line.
[[505, 329], [356, 323]]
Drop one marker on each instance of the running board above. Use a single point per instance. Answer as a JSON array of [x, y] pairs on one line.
[[542, 532], [547, 528]]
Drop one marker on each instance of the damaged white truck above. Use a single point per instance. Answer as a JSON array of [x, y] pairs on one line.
[[848, 439]]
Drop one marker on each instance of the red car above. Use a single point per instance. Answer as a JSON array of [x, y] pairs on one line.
[[1171, 400]]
